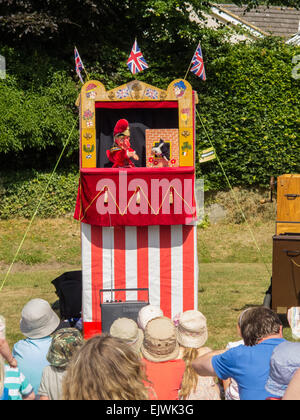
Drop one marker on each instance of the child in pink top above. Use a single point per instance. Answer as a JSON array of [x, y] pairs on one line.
[[160, 351]]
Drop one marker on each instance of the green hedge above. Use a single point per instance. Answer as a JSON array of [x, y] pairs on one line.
[[249, 105], [37, 105], [21, 192]]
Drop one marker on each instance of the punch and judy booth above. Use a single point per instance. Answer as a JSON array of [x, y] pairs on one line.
[[138, 228]]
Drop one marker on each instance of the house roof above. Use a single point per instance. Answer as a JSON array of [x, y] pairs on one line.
[[279, 21], [295, 40], [225, 16]]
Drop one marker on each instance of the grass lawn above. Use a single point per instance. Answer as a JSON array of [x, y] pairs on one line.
[[234, 269]]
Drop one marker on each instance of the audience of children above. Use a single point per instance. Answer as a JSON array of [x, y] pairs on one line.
[[37, 324], [106, 368], [160, 351], [154, 358], [147, 313], [248, 364], [230, 386], [192, 335], [13, 384], [3, 390], [65, 343], [293, 389], [285, 361], [128, 330]]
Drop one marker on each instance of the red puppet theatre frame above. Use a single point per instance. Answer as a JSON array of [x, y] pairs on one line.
[[138, 225]]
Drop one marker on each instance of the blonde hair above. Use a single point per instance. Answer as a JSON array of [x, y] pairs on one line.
[[2, 375], [190, 377], [105, 368]]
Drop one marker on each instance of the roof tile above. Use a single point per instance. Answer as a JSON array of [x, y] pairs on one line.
[[280, 21]]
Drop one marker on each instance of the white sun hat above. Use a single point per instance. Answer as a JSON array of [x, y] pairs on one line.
[[38, 319]]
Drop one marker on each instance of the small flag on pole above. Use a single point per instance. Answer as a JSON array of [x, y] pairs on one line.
[[136, 61], [78, 64], [197, 66]]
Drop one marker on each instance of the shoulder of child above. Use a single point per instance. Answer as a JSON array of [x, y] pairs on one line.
[[204, 350]]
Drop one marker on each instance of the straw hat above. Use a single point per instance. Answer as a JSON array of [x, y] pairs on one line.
[[147, 313], [128, 330], [38, 319], [160, 342], [192, 329]]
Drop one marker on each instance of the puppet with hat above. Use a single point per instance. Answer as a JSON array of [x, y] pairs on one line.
[[121, 152]]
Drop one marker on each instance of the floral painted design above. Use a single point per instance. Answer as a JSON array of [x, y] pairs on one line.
[[122, 93], [151, 93], [88, 114], [185, 114]]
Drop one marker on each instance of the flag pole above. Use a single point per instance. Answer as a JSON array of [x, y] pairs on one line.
[[86, 73], [188, 69]]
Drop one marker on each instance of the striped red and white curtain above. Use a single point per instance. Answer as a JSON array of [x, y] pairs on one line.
[[161, 258]]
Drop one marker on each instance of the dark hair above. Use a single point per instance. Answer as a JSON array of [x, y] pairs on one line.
[[258, 323]]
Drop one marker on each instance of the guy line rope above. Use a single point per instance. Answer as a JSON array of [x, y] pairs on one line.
[[54, 170], [234, 195], [37, 208]]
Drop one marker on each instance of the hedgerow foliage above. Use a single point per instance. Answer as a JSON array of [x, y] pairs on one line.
[[37, 104], [21, 195], [249, 110]]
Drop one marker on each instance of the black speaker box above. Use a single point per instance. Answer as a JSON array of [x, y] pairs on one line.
[[114, 309]]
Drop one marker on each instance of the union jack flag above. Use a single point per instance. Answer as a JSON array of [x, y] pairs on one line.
[[78, 64], [136, 61], [197, 64]]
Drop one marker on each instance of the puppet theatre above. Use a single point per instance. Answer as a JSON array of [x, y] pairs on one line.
[[136, 200]]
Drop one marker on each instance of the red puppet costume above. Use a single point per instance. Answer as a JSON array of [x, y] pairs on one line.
[[121, 152]]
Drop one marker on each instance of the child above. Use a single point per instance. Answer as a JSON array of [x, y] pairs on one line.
[[65, 343]]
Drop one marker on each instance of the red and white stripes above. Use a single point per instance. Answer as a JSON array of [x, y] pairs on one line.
[[161, 258]]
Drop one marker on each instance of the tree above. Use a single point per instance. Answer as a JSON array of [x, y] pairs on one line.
[[50, 21], [59, 25]]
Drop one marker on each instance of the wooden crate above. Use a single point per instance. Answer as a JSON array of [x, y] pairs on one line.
[[286, 272], [288, 204]]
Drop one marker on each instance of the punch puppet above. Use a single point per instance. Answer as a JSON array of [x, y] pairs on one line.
[[121, 152]]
